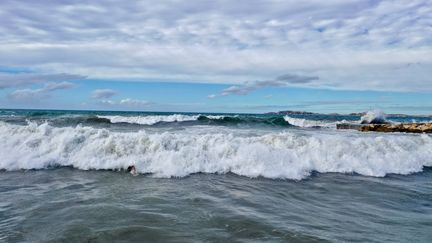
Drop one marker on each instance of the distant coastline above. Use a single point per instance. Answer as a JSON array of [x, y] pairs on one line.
[[290, 112]]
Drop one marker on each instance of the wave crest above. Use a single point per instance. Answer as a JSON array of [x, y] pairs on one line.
[[150, 120], [301, 122], [201, 119]]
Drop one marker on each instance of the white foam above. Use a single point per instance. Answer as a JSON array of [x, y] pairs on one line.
[[216, 117], [150, 120], [291, 154], [301, 122]]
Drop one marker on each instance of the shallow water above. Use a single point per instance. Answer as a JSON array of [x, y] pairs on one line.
[[101, 206]]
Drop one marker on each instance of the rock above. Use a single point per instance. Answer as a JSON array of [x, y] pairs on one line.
[[378, 120], [348, 126], [403, 127]]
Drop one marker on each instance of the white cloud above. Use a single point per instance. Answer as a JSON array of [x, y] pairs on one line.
[[125, 103], [134, 102], [348, 44], [103, 93], [34, 94]]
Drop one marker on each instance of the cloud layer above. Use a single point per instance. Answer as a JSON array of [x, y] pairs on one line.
[[125, 103], [358, 45]]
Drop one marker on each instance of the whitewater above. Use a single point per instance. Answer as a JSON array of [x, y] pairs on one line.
[[151, 119], [286, 154]]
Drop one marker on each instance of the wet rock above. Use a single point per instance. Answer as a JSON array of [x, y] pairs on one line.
[[378, 120], [348, 126], [403, 127]]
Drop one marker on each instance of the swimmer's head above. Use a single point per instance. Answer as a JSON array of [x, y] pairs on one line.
[[130, 168]]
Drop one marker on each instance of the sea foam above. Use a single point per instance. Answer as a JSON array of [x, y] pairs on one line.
[[150, 120], [289, 154], [301, 122]]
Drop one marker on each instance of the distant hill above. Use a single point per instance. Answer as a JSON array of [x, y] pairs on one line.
[[292, 113]]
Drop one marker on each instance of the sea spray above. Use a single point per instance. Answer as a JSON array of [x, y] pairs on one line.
[[374, 117]]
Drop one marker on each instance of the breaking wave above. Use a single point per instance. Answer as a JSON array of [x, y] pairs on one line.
[[150, 120], [301, 122], [200, 119], [288, 154], [221, 120]]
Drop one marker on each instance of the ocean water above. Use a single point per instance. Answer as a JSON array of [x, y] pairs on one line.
[[210, 177]]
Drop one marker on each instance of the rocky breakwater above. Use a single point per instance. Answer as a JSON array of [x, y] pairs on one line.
[[402, 127], [375, 121]]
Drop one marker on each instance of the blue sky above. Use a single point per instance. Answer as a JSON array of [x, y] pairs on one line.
[[217, 56]]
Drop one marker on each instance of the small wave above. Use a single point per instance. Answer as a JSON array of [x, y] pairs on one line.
[[150, 120], [288, 154], [58, 120], [301, 122], [233, 120], [75, 120]]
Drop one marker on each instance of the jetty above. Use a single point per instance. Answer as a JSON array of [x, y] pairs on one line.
[[389, 127]]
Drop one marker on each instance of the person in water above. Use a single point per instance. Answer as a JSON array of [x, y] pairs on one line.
[[131, 169]]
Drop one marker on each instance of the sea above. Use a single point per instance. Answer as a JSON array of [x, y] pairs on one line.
[[205, 177]]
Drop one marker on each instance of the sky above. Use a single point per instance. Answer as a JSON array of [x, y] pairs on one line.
[[246, 56]]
